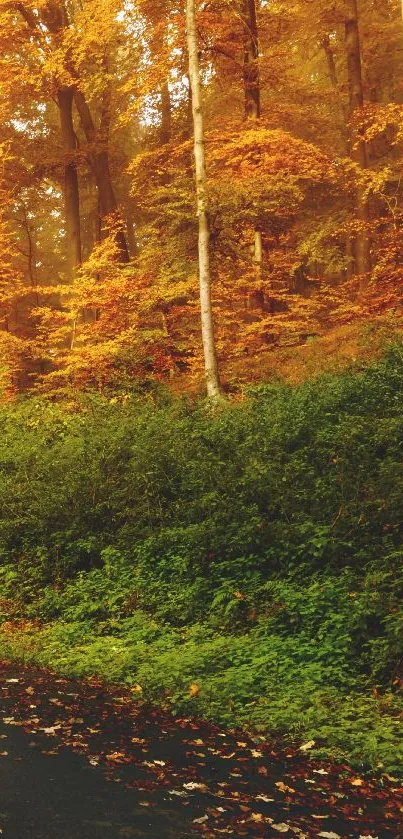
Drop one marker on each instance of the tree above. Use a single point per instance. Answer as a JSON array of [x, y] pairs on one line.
[[65, 96], [251, 75], [207, 324], [54, 18], [358, 145], [252, 98], [303, 125]]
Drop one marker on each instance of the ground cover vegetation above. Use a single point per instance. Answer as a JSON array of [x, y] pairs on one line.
[[244, 565]]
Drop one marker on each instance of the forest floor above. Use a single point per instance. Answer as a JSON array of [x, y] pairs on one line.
[[337, 349], [81, 759]]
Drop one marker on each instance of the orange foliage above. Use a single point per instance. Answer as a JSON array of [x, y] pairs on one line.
[[290, 176]]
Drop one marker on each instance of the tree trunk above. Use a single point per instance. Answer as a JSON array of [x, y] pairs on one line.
[[358, 145], [54, 17], [207, 324], [252, 111], [71, 190], [255, 299], [331, 65], [99, 161], [251, 74]]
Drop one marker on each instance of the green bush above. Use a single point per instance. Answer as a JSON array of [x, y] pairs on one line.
[[257, 552]]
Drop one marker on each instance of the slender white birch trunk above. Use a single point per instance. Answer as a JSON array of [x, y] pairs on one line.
[[207, 325]]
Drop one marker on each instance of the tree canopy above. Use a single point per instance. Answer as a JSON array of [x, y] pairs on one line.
[[303, 111]]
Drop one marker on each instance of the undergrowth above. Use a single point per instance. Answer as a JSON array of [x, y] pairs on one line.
[[245, 567]]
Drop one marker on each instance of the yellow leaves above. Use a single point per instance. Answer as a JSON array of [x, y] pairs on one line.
[[283, 787], [194, 689], [306, 747], [271, 152], [375, 120], [116, 757], [136, 689]]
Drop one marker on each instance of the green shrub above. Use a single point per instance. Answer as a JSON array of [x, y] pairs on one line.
[[257, 552]]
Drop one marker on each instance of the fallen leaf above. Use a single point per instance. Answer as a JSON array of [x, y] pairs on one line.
[[309, 745], [283, 787], [193, 785]]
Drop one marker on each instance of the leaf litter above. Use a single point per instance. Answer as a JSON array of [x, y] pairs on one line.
[[229, 788]]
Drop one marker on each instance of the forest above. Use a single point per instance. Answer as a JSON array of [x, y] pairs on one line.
[[302, 111], [201, 361]]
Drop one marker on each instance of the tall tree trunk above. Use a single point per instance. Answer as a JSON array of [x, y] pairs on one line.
[[207, 324], [251, 74], [71, 190], [99, 161], [332, 69], [331, 64], [54, 17], [252, 111], [346, 110], [358, 145]]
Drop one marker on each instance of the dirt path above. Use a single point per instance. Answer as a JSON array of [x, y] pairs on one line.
[[79, 761]]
